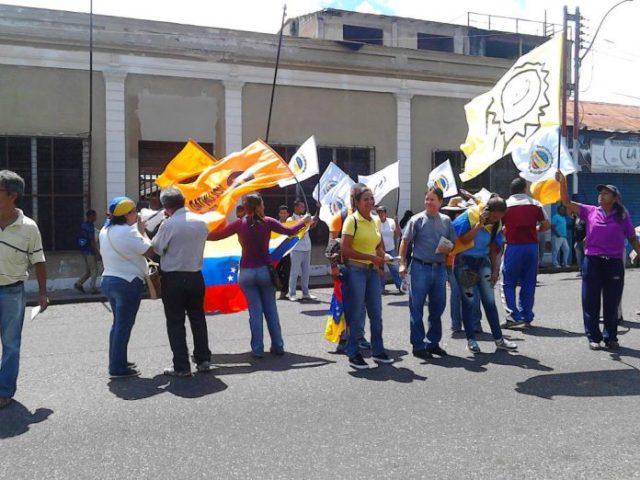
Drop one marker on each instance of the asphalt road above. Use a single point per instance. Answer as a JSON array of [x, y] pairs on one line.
[[553, 410]]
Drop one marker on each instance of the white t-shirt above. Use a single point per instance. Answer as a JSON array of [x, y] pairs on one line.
[[388, 234], [304, 245], [121, 247]]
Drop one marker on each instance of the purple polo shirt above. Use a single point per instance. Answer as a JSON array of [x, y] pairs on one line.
[[605, 233], [254, 239]]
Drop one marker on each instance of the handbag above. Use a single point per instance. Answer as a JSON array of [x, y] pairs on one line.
[[151, 276]]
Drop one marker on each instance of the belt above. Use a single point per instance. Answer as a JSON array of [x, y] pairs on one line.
[[604, 257], [428, 264], [367, 266], [14, 284]]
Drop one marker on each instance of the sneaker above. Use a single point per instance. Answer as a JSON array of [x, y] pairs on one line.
[[277, 351], [595, 346], [204, 367], [457, 330], [385, 291], [132, 365], [358, 362], [309, 297], [342, 344], [512, 323], [473, 346], [363, 344], [423, 354], [129, 372], [437, 351], [257, 354], [382, 358], [504, 344], [611, 344], [5, 401], [170, 371], [79, 287], [292, 298]]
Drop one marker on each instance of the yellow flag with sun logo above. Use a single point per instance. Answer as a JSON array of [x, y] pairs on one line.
[[525, 100]]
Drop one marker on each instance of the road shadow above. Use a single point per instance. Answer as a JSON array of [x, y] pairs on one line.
[[603, 383], [243, 363], [138, 388], [316, 313], [402, 303], [15, 419], [539, 331], [478, 363], [387, 372]]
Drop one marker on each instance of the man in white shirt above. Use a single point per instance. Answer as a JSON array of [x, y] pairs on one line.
[[390, 230], [300, 257], [180, 243]]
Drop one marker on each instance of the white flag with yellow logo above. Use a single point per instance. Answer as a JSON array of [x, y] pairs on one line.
[[525, 100], [443, 178], [538, 159], [304, 163]]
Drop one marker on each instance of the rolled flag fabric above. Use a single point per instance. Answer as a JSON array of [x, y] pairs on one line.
[[382, 182], [547, 192], [304, 163], [443, 178], [337, 198], [190, 162], [329, 179], [537, 160], [525, 99]]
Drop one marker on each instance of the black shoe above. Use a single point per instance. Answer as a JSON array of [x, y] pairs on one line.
[[277, 351], [79, 287], [437, 351], [423, 354], [382, 358], [611, 344], [342, 344], [129, 372], [358, 362], [132, 365]]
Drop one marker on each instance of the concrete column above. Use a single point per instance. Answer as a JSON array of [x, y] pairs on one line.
[[232, 116], [115, 132], [403, 148]]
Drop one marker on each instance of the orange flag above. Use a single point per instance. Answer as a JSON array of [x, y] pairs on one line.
[[546, 191], [191, 161]]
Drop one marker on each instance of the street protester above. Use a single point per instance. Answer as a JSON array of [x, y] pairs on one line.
[[476, 267], [254, 278], [390, 232], [425, 233], [90, 253], [284, 265], [364, 258], [180, 242], [20, 246], [123, 245], [524, 220], [607, 227], [300, 256]]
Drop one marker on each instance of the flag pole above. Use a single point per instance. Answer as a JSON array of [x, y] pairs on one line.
[[275, 72], [562, 132]]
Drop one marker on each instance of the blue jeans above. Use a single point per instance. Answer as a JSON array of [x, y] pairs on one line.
[[455, 304], [12, 306], [602, 282], [519, 266], [261, 296], [363, 285], [124, 298], [482, 266], [426, 280], [559, 248], [393, 269]]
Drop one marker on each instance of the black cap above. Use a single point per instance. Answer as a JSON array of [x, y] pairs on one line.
[[612, 188]]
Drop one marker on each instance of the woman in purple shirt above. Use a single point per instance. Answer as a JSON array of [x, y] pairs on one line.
[[607, 227], [254, 231]]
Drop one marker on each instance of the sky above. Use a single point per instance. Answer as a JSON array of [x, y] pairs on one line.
[[609, 73]]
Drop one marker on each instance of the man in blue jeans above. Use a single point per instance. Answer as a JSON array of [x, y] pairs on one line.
[[20, 245], [428, 272]]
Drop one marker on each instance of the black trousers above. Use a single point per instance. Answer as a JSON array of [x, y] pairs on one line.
[[284, 270], [184, 292]]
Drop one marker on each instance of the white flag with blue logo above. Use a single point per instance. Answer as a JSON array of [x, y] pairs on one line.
[[329, 179], [338, 198], [443, 178], [304, 163], [537, 160], [382, 182]]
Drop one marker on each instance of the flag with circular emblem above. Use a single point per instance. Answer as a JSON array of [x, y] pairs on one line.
[[304, 163]]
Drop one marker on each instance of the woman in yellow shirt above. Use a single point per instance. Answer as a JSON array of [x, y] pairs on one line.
[[364, 258]]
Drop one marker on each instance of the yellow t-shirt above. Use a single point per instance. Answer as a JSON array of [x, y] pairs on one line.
[[366, 237]]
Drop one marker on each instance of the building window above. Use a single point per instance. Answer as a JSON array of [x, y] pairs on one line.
[[152, 160], [353, 160], [439, 43], [457, 159], [55, 171], [353, 33]]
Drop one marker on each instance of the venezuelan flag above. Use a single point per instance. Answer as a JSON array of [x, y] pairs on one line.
[[336, 323], [222, 264]]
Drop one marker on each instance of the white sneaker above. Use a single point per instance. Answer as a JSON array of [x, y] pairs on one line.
[[473, 346], [504, 344], [292, 298], [309, 297]]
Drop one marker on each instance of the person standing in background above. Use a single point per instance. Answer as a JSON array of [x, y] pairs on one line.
[[390, 231], [284, 265], [90, 253], [559, 244], [300, 256]]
